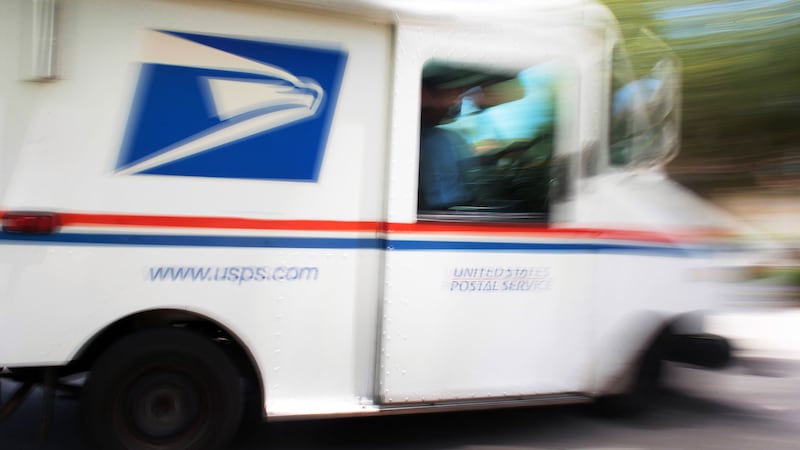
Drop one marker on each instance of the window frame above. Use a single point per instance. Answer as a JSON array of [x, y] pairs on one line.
[[553, 161]]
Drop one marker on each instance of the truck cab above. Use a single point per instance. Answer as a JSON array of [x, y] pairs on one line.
[[350, 208]]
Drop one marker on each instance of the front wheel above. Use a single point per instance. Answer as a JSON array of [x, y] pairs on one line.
[[165, 389], [647, 379]]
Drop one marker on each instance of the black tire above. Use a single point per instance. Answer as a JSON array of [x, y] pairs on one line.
[[164, 389], [645, 384]]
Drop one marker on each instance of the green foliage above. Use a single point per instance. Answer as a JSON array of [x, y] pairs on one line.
[[741, 75]]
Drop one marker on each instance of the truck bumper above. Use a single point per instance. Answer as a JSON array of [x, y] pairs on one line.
[[705, 350]]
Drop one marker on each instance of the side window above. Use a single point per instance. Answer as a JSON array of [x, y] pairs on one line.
[[486, 142]]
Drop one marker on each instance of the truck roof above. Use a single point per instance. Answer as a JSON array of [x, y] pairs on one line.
[[465, 11]]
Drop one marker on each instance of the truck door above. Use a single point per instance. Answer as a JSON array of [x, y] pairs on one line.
[[484, 297]]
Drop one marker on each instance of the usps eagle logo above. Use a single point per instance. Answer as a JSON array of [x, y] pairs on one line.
[[218, 106]]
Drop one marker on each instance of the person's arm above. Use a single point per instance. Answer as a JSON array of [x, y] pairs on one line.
[[441, 181]]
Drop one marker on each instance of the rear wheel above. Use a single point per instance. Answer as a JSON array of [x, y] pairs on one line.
[[165, 389]]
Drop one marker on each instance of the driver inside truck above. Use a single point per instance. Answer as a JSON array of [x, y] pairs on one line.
[[444, 154], [485, 139]]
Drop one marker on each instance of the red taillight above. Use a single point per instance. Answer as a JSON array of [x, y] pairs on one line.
[[30, 222]]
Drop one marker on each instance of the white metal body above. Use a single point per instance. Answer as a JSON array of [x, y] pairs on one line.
[[349, 305]]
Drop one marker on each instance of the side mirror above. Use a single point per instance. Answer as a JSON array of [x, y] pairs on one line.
[[663, 111], [663, 100], [645, 115]]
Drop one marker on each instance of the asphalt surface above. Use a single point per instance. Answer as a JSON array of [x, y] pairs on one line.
[[753, 405]]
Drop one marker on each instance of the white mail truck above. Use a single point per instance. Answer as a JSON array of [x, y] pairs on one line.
[[339, 208]]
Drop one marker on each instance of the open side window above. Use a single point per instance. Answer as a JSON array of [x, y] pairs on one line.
[[486, 142]]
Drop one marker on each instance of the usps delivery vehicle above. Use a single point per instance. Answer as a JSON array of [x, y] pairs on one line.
[[337, 208]]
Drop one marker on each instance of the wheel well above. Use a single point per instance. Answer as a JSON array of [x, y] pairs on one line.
[[659, 346], [171, 318]]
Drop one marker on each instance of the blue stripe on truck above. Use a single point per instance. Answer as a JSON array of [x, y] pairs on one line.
[[332, 243]]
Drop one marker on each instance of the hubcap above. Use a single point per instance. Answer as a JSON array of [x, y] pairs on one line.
[[162, 406]]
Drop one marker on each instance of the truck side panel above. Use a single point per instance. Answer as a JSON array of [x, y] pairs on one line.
[[244, 246]]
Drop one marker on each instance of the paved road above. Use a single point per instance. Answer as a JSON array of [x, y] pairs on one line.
[[753, 406]]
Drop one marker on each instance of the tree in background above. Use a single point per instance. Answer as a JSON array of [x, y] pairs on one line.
[[741, 87]]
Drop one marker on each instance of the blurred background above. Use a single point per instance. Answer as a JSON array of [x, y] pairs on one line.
[[741, 88], [741, 106]]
